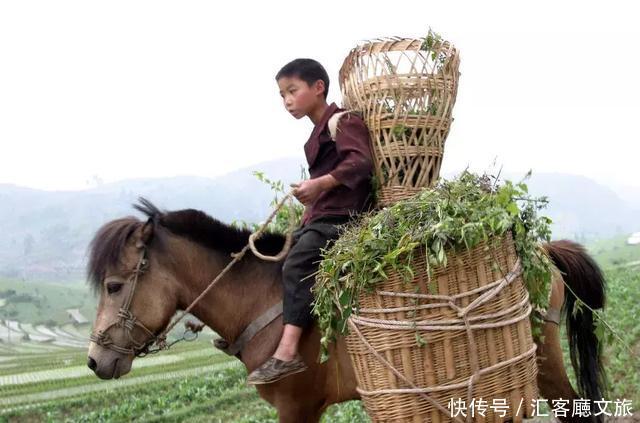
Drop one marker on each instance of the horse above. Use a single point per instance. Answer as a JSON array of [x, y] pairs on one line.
[[146, 270]]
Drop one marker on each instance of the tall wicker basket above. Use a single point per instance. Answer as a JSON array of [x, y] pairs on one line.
[[474, 322], [406, 89]]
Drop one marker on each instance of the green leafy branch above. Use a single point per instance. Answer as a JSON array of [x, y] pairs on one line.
[[280, 224], [602, 329], [455, 215]]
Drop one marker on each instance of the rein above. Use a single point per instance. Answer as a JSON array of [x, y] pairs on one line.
[[127, 321]]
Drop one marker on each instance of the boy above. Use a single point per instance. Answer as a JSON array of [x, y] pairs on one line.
[[340, 168]]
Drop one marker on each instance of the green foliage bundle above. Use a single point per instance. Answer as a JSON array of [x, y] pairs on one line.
[[456, 214]]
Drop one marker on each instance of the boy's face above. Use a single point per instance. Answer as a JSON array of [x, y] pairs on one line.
[[299, 98]]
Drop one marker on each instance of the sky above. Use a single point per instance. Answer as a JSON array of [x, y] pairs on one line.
[[104, 91]]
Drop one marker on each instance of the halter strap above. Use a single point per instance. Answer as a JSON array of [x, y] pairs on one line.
[[126, 320], [254, 327]]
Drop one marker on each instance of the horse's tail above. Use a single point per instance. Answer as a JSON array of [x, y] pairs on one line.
[[584, 277]]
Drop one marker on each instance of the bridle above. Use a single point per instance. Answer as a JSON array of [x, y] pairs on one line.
[[127, 321]]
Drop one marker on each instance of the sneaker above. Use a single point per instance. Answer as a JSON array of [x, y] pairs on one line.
[[273, 370]]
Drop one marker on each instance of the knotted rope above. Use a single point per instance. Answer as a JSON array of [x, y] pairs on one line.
[[238, 256], [289, 236], [464, 323]]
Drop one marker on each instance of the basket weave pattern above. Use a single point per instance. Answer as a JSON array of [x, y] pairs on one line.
[[474, 319], [405, 92]]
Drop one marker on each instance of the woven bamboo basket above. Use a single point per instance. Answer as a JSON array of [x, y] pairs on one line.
[[474, 319], [405, 88]]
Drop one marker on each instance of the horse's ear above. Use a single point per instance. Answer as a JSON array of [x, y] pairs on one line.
[[144, 234]]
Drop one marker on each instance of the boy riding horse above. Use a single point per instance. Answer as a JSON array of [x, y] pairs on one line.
[[339, 188]]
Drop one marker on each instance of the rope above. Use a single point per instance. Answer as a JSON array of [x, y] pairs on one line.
[[440, 388], [396, 372], [408, 325], [289, 236], [238, 256], [490, 291]]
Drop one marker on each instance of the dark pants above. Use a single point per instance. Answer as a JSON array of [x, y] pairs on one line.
[[301, 262]]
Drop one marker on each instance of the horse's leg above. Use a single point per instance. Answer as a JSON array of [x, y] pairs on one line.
[[317, 415], [552, 375], [290, 412], [553, 381]]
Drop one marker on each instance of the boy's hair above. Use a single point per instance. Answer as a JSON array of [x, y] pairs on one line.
[[308, 70]]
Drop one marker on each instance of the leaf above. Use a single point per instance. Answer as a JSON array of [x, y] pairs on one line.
[[345, 299], [420, 340], [599, 331]]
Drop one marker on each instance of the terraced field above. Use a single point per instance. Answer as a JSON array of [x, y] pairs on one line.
[[192, 382]]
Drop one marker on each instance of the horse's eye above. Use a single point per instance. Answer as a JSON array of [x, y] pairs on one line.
[[114, 287]]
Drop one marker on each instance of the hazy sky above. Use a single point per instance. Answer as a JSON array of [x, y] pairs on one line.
[[124, 89]]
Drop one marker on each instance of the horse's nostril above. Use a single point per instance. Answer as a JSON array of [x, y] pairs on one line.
[[92, 364]]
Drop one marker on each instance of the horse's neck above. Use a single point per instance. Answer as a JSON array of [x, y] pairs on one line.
[[239, 297], [243, 295]]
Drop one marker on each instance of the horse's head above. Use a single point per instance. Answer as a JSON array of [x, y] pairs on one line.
[[144, 271], [137, 293]]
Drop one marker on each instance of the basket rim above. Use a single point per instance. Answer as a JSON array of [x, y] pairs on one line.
[[395, 43]]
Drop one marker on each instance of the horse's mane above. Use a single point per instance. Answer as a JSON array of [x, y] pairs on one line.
[[195, 225]]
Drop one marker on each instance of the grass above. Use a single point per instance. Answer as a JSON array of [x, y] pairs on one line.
[[63, 377], [214, 396], [188, 359], [47, 302], [614, 252], [622, 359], [203, 385]]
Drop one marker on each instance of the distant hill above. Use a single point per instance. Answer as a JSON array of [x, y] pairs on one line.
[[582, 208], [631, 195], [45, 233]]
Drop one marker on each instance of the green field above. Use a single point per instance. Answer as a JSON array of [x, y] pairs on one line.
[[615, 252], [193, 382], [40, 381], [44, 302]]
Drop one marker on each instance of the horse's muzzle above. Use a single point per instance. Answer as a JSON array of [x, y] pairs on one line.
[[109, 367]]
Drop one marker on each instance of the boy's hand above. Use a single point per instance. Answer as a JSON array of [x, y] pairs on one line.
[[308, 191]]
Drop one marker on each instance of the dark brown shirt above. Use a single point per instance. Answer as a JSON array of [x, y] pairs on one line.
[[348, 159]]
